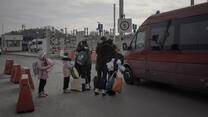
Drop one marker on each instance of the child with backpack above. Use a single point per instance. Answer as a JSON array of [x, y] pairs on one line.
[[44, 65], [67, 67]]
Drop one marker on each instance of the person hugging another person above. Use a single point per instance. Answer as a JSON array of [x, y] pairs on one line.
[[44, 66], [114, 64], [105, 52]]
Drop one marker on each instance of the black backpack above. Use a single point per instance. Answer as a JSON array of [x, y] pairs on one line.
[[81, 58]]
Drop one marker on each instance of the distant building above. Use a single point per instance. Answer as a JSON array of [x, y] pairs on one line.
[[12, 42]]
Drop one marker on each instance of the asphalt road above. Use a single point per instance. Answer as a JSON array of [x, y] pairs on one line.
[[139, 100]]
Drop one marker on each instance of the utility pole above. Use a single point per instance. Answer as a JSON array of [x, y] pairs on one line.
[[192, 2], [114, 21], [121, 16]]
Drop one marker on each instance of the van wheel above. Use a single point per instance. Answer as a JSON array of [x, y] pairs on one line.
[[128, 76]]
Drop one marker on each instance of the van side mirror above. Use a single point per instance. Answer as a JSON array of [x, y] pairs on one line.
[[125, 46]]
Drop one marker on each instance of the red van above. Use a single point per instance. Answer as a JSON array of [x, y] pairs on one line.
[[171, 47]]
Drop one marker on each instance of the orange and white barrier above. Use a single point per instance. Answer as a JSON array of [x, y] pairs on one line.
[[71, 54], [26, 70], [14, 67], [93, 56], [17, 74], [25, 101], [8, 66]]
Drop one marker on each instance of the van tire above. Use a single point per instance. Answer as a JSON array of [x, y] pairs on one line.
[[128, 76]]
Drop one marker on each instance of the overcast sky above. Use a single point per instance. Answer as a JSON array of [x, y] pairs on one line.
[[77, 14]]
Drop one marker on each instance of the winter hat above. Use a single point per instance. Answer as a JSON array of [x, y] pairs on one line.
[[41, 54]]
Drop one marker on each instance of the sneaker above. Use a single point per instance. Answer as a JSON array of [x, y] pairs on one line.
[[45, 93], [103, 92], [88, 87], [96, 91], [42, 95], [67, 91]]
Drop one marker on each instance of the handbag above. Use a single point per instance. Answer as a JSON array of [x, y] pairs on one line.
[[76, 84], [75, 73], [110, 82], [117, 85]]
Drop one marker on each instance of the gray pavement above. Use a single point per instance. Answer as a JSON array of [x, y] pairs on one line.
[[139, 100]]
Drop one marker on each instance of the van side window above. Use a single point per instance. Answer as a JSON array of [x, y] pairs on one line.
[[162, 36], [140, 41], [194, 33]]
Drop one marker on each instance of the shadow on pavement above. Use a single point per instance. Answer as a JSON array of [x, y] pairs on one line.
[[174, 90]]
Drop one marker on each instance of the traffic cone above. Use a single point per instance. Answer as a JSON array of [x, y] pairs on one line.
[[13, 72], [8, 66], [18, 74], [27, 71], [25, 101]]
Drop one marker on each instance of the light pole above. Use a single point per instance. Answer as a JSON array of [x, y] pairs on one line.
[[121, 16], [114, 22]]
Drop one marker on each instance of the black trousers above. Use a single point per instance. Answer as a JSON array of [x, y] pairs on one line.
[[102, 78], [66, 82], [84, 71], [88, 73], [42, 84]]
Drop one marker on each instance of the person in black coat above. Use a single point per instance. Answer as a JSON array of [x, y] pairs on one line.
[[104, 54], [85, 69]]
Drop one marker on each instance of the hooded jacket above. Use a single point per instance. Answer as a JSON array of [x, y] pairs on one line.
[[43, 65]]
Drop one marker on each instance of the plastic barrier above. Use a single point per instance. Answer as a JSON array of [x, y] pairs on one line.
[[8, 66], [14, 67], [18, 74], [26, 70], [93, 56], [71, 54], [25, 101]]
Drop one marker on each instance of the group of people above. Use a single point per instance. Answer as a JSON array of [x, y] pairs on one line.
[[108, 61]]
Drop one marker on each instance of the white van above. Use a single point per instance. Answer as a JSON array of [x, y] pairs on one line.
[[37, 44]]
